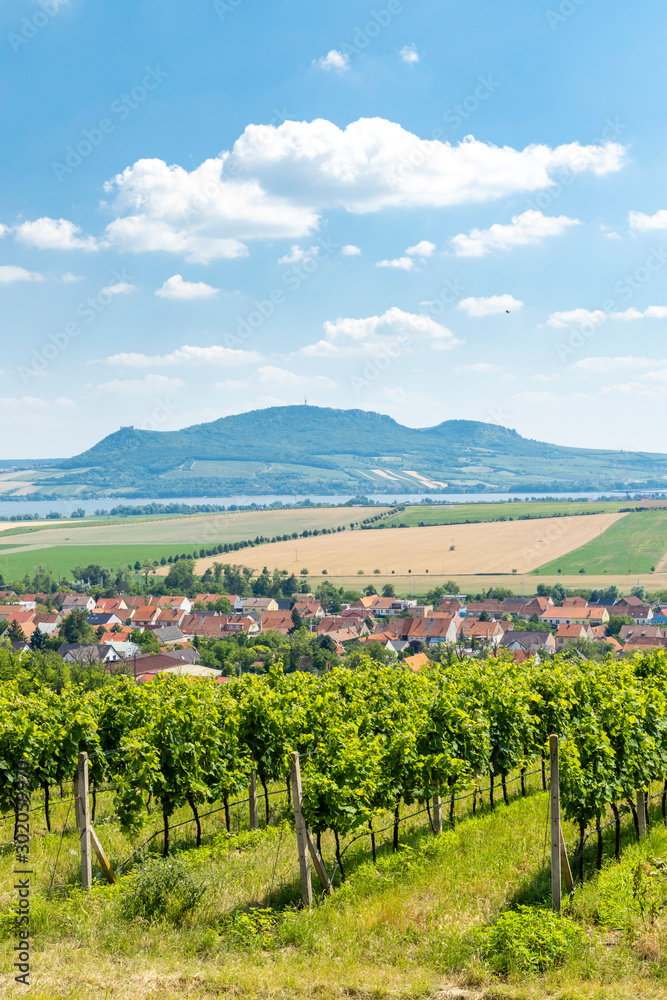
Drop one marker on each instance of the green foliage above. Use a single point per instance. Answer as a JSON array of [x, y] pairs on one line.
[[528, 940], [163, 889]]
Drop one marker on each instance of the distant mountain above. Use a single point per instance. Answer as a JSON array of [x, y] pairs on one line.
[[308, 449]]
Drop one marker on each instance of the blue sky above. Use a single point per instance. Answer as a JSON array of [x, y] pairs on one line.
[[216, 206]]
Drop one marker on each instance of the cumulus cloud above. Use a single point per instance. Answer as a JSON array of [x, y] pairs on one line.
[[409, 54], [479, 367], [10, 273], [277, 180], [419, 252], [176, 288], [349, 250], [402, 263], [69, 278], [648, 223], [54, 234], [529, 227], [187, 355], [423, 249], [490, 305], [333, 60], [269, 374], [298, 255], [119, 288], [594, 317], [650, 385], [395, 330]]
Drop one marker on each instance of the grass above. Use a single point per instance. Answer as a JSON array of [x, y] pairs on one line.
[[635, 544], [62, 558], [460, 513], [405, 927]]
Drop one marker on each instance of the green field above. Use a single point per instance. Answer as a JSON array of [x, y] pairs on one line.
[[636, 543], [504, 511], [123, 542]]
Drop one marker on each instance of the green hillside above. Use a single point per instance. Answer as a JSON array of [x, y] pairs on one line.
[[310, 449]]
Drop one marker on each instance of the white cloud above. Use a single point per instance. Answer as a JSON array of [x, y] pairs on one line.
[[54, 234], [297, 255], [333, 60], [119, 288], [595, 317], [412, 254], [188, 354], [651, 385], [66, 402], [402, 263], [176, 288], [613, 236], [231, 383], [69, 278], [542, 377], [527, 228], [612, 364], [349, 250], [389, 334], [409, 54], [479, 367], [277, 180], [648, 223], [490, 305], [9, 273], [283, 378], [144, 386], [27, 402], [423, 249]]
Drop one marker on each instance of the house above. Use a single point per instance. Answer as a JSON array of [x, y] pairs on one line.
[[14, 613], [529, 642], [147, 665], [566, 634], [383, 607], [574, 615], [180, 603], [169, 616], [435, 630], [276, 621], [640, 644], [48, 624], [310, 609], [484, 632], [95, 619], [574, 602], [641, 614], [111, 604], [332, 623], [28, 601], [77, 602], [659, 617], [417, 662], [122, 635], [366, 603], [640, 631], [144, 615], [537, 606], [168, 634], [259, 604], [76, 652]]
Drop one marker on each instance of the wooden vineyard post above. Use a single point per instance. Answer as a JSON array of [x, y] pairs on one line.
[[301, 831], [252, 800], [641, 812], [554, 792], [101, 857], [437, 808], [82, 805], [565, 865]]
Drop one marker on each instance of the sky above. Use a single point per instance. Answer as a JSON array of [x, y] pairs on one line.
[[433, 209]]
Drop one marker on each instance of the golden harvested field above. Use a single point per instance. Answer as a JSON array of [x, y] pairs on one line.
[[494, 547]]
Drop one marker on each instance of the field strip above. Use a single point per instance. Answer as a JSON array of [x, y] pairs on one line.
[[491, 547]]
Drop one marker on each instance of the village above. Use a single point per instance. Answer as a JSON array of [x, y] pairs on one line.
[[144, 635]]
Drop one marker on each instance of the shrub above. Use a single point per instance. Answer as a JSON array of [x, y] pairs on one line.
[[528, 939], [162, 888]]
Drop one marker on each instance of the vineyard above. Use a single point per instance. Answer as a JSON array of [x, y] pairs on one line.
[[171, 764]]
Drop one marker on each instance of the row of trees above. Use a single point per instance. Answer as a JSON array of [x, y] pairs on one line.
[[372, 738]]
